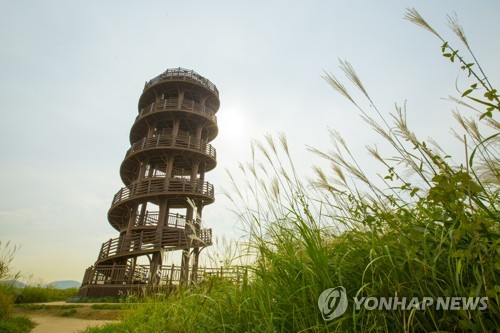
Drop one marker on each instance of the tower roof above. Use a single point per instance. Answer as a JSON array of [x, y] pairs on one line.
[[182, 74]]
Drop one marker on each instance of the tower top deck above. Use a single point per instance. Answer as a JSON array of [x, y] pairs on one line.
[[174, 74]]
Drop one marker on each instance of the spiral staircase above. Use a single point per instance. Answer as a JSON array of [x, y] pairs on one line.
[[160, 207]]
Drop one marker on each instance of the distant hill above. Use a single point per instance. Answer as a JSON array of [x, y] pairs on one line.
[[65, 284], [15, 283]]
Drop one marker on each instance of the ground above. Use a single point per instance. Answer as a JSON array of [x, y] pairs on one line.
[[61, 317]]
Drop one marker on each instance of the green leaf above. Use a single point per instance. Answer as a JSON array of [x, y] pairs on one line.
[[445, 45], [482, 102], [486, 114], [491, 94], [471, 158], [467, 92]]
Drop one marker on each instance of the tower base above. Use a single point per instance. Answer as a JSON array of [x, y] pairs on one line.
[[97, 291]]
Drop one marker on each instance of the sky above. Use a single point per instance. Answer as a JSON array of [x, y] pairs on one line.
[[71, 73]]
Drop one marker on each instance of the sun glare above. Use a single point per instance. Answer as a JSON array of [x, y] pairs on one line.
[[232, 123]]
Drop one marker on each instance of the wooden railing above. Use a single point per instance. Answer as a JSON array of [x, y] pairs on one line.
[[175, 104], [163, 186], [184, 74], [182, 140], [151, 219], [165, 276], [147, 240]]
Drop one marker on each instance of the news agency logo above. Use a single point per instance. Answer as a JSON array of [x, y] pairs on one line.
[[332, 303]]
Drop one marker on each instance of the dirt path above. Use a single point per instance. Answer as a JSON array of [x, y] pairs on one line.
[[62, 317], [65, 303], [51, 324]]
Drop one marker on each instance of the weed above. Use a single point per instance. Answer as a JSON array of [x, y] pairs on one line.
[[68, 313], [39, 294], [78, 299], [120, 306], [36, 307], [16, 324]]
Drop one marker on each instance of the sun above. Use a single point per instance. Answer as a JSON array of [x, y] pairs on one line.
[[232, 123]]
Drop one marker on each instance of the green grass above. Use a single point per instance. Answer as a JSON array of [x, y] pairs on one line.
[[68, 313], [113, 328], [78, 299], [150, 316], [37, 294], [120, 306], [35, 307], [16, 324]]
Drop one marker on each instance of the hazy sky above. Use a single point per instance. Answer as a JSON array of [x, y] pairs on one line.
[[71, 73]]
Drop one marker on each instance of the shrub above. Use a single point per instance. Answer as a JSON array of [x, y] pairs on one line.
[[6, 301], [7, 277], [17, 324], [9, 323], [38, 294]]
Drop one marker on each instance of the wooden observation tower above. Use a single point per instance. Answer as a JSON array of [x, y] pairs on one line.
[[160, 207]]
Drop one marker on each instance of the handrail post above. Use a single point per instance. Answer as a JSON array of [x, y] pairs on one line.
[[172, 274], [110, 277], [109, 247], [93, 275]]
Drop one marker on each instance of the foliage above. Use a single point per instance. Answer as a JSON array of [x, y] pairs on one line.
[[427, 228], [491, 98], [39, 294], [37, 306], [110, 306], [150, 316], [6, 301], [8, 322], [7, 252], [79, 299], [17, 324], [68, 313]]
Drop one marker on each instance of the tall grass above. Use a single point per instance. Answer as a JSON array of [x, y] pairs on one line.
[[16, 324], [38, 294], [427, 228], [7, 276], [10, 323]]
